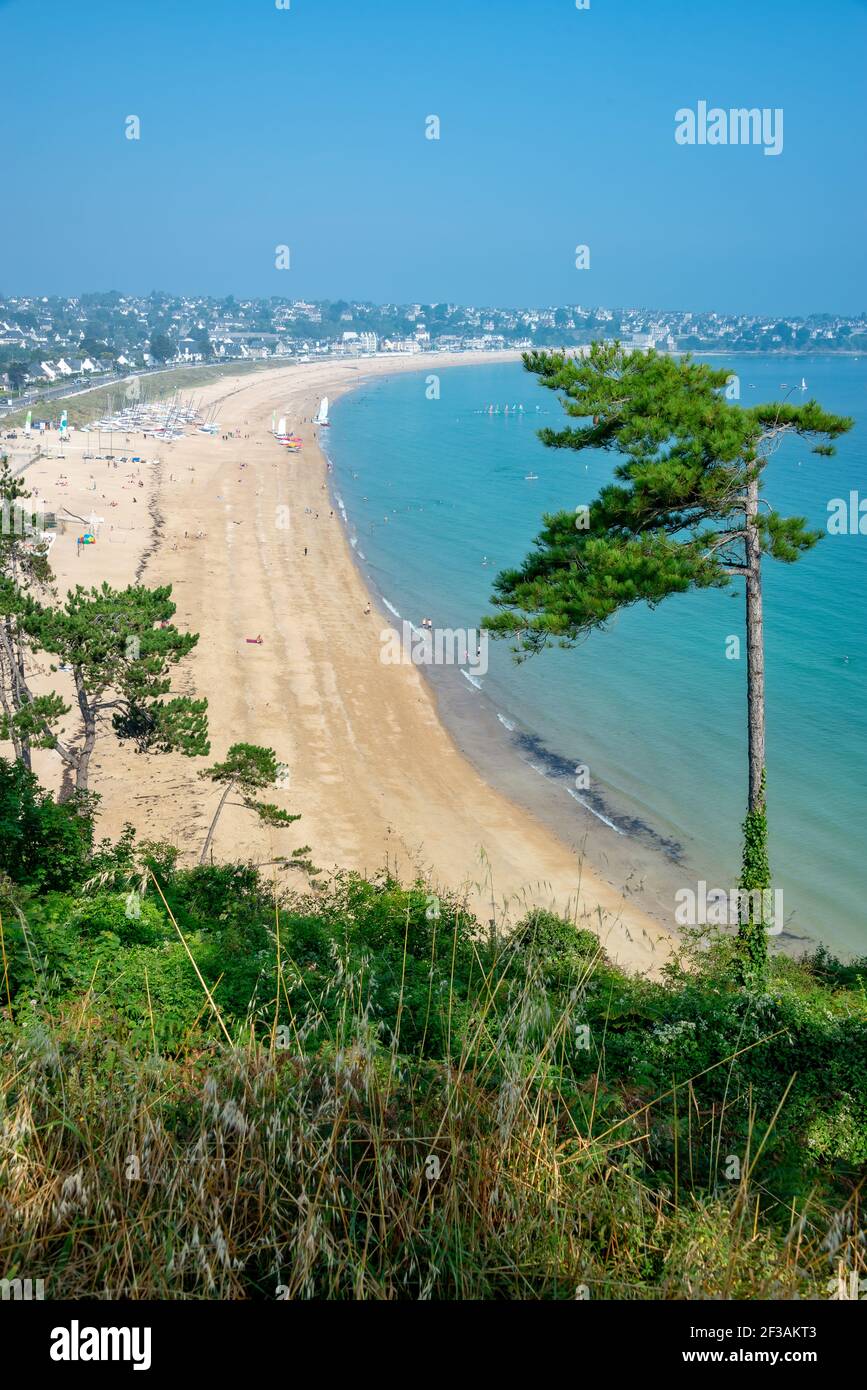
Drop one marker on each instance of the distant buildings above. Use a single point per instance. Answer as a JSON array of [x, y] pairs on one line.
[[46, 340]]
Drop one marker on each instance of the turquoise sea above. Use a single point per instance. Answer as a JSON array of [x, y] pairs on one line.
[[437, 500]]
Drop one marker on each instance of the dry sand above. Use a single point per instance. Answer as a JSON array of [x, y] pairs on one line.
[[374, 774]]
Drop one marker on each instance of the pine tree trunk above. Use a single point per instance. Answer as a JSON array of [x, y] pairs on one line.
[[14, 691], [210, 835], [88, 715], [755, 872], [755, 654], [82, 765], [23, 694]]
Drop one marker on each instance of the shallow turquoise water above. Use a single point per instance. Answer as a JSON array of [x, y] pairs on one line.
[[434, 488]]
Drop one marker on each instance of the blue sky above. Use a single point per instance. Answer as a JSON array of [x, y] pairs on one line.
[[306, 127]]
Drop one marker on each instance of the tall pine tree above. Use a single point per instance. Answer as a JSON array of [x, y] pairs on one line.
[[685, 511]]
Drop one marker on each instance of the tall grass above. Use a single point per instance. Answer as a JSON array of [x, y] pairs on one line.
[[330, 1155]]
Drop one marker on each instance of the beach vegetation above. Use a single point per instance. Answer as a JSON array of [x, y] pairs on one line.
[[218, 1086], [119, 647], [246, 769], [26, 578]]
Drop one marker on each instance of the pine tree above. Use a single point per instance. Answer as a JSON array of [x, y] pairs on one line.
[[25, 575], [685, 512], [120, 647], [248, 768]]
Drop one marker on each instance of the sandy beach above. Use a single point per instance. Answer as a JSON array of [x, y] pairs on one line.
[[248, 537]]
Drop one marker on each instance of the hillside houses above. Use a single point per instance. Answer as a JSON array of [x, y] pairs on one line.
[[46, 340]]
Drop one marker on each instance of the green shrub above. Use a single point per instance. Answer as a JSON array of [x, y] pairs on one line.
[[42, 843]]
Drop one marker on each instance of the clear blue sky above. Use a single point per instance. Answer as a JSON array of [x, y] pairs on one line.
[[306, 127]]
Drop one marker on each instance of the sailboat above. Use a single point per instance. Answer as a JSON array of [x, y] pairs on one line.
[[803, 385], [321, 417], [282, 435]]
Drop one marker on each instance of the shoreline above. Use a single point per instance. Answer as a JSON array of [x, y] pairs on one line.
[[377, 777], [631, 866], [495, 744], [627, 850]]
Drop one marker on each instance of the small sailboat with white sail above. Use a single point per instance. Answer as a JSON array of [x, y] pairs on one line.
[[321, 417], [284, 437]]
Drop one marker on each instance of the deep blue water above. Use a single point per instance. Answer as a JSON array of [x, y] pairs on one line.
[[437, 498]]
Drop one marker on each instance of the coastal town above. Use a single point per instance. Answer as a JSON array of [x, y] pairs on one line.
[[48, 343]]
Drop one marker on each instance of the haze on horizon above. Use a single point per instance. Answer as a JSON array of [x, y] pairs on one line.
[[306, 127]]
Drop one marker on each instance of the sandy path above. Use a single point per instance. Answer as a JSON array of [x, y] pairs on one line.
[[373, 773]]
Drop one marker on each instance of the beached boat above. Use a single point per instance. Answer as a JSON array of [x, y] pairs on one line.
[[321, 417]]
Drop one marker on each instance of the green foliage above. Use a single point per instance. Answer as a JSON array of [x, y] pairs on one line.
[[165, 726], [34, 722], [249, 768], [683, 513], [559, 1096], [374, 1025], [756, 879], [161, 347], [42, 844], [24, 573], [121, 648], [122, 920], [674, 518]]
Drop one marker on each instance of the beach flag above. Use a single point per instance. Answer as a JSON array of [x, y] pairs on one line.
[[63, 425], [27, 422]]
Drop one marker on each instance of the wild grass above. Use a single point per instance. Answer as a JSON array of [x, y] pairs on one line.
[[407, 1111]]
